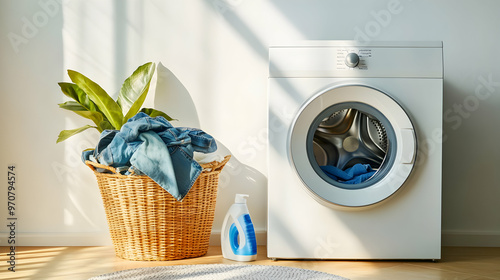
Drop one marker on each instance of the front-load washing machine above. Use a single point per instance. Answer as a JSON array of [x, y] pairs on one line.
[[355, 150]]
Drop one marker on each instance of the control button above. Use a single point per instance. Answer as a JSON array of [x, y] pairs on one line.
[[351, 60]]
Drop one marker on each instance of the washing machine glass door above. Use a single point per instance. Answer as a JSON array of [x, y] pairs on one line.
[[352, 146]]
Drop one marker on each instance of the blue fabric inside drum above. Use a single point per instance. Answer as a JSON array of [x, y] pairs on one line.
[[368, 112]]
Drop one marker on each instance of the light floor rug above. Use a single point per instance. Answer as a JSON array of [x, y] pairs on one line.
[[218, 271]]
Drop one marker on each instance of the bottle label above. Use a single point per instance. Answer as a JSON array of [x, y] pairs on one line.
[[246, 244]]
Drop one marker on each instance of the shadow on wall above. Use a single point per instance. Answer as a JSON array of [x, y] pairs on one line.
[[172, 97], [237, 177]]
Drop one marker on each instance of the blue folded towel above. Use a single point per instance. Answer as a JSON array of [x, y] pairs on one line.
[[353, 175]]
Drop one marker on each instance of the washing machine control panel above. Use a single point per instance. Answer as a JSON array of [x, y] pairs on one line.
[[350, 59], [361, 61]]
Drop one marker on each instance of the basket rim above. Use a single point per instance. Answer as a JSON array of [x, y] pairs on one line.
[[214, 166]]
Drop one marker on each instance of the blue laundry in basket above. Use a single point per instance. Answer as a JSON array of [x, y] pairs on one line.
[[356, 174], [152, 146]]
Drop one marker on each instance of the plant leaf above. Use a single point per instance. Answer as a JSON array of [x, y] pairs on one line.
[[76, 107], [135, 89], [65, 134], [74, 91], [155, 113], [104, 102], [105, 125], [72, 106]]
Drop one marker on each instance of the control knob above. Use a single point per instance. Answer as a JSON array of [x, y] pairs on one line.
[[351, 60]]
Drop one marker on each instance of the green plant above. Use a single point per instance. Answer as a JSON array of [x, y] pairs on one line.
[[92, 102]]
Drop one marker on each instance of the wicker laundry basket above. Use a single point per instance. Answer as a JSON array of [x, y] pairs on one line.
[[147, 223]]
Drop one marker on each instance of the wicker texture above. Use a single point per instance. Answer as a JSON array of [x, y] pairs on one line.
[[147, 223]]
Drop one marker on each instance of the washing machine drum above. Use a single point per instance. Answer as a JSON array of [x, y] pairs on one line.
[[352, 146]]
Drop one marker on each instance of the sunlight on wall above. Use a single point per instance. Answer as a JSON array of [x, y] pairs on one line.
[[88, 39], [96, 38]]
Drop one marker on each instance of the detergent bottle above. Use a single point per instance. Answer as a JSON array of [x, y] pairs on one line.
[[238, 235]]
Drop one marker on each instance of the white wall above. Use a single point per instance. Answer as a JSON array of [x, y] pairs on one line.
[[214, 55]]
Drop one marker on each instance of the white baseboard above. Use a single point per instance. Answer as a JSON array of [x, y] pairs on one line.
[[58, 239], [88, 239], [470, 238], [449, 238]]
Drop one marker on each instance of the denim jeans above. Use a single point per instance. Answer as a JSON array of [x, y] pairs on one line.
[[152, 146]]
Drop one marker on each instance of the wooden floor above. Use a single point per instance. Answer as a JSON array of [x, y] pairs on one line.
[[77, 263]]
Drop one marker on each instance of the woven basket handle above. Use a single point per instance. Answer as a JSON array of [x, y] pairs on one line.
[[94, 165], [214, 165]]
